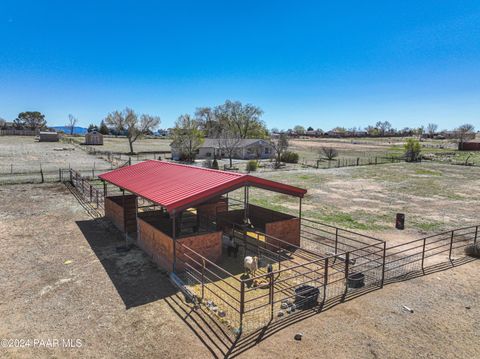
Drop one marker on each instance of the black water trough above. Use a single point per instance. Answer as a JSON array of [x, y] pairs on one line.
[[306, 296], [356, 280]]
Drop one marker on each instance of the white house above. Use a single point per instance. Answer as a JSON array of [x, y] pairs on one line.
[[246, 149]]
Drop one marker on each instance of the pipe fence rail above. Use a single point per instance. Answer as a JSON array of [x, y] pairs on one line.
[[335, 262]]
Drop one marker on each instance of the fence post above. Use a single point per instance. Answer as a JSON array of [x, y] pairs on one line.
[[242, 304], [476, 235], [59, 175], [451, 245], [347, 262], [91, 193], [71, 175], [383, 263], [325, 280], [336, 240], [96, 191], [203, 279], [423, 254], [270, 275], [41, 174]]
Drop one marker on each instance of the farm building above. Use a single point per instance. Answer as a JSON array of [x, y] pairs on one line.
[[199, 225], [180, 203], [94, 138], [246, 149], [48, 136]]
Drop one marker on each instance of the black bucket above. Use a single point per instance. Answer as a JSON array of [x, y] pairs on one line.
[[306, 296], [356, 280], [400, 221]]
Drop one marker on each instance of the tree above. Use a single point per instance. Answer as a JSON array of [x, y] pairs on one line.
[[228, 142], [310, 128], [208, 122], [242, 119], [135, 126], [187, 137], [463, 133], [72, 121], [299, 130], [383, 127], [329, 152], [3, 123], [30, 120], [92, 128], [103, 129], [412, 150], [432, 129], [279, 145]]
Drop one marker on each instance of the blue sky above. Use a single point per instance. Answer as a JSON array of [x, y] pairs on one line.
[[315, 63]]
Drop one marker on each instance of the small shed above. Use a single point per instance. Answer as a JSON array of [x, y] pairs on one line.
[[48, 136], [94, 138]]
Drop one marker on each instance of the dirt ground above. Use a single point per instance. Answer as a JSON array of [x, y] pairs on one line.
[[61, 277], [434, 197]]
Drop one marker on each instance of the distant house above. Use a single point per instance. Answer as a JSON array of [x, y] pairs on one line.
[[48, 136], [246, 149], [473, 145], [94, 138]]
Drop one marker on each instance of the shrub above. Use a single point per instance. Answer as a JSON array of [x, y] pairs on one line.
[[412, 150], [252, 165], [329, 152], [289, 157]]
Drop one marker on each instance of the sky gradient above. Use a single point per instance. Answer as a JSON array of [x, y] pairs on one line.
[[319, 64]]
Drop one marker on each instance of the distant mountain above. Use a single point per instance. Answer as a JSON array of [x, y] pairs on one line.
[[76, 130]]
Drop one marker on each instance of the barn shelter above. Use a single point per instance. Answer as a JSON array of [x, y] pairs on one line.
[[164, 204]]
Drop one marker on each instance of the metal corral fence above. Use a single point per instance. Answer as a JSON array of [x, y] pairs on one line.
[[421, 254], [330, 264]]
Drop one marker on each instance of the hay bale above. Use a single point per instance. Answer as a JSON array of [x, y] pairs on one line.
[[473, 250]]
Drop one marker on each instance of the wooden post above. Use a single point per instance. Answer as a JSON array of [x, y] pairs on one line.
[[476, 235], [41, 174]]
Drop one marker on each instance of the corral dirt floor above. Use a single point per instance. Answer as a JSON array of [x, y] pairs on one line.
[[61, 277]]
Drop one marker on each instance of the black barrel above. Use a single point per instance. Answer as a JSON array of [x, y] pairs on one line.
[[356, 280], [400, 222], [306, 296]]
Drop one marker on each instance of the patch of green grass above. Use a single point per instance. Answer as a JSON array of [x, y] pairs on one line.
[[345, 220], [428, 172]]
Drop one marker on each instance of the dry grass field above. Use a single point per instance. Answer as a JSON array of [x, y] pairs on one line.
[[120, 144], [23, 154], [61, 277]]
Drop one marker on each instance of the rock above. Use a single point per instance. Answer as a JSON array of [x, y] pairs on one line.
[[298, 336], [281, 313]]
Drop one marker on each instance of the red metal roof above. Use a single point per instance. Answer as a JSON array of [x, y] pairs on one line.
[[176, 186]]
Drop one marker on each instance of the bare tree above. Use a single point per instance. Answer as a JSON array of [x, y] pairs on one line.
[[3, 123], [463, 133], [187, 137], [279, 145], [72, 121], [383, 127], [133, 125], [432, 129], [228, 142], [329, 152], [208, 122]]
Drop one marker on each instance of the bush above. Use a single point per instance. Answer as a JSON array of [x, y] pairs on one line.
[[252, 166], [412, 150], [289, 157]]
